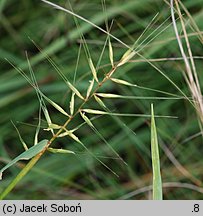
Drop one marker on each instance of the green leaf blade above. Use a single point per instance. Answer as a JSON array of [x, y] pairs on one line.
[[157, 182], [26, 155]]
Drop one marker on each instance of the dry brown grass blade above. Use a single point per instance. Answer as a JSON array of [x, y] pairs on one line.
[[190, 74], [195, 26]]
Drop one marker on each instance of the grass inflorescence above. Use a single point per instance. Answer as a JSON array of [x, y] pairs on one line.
[[93, 106]]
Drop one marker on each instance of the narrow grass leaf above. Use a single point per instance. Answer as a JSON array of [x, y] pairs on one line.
[[75, 90], [94, 72], [26, 155], [157, 182], [62, 151]]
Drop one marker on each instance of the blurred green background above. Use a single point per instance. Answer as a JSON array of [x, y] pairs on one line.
[[80, 176]]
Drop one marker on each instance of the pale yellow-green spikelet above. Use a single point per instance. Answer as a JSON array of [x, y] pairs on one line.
[[64, 134], [99, 101], [108, 95], [90, 88], [92, 111], [94, 72], [75, 90], [60, 109], [86, 119], [52, 126], [70, 134], [74, 137], [122, 82], [126, 57], [72, 102], [48, 119], [111, 53], [62, 151]]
